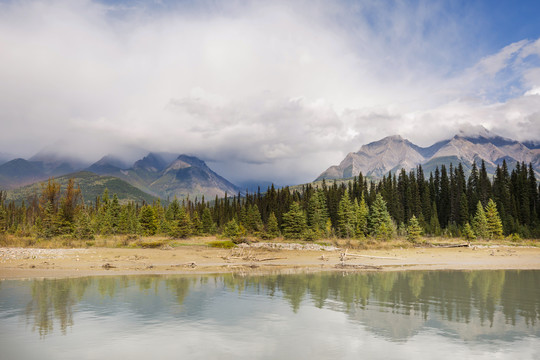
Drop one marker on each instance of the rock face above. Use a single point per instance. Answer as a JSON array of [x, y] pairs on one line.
[[394, 153]]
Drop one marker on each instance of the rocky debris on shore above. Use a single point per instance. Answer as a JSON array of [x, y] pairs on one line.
[[288, 246], [30, 253]]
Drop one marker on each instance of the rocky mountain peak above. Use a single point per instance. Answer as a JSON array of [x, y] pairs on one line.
[[471, 144]]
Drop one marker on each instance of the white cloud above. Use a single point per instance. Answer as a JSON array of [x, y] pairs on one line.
[[268, 90]]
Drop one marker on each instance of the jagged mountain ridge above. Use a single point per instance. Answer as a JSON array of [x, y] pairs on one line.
[[185, 176], [393, 153], [161, 175]]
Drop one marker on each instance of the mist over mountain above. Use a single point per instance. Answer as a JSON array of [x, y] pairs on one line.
[[162, 175], [470, 145], [155, 174]]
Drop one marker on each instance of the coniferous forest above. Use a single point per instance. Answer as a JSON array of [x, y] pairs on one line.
[[412, 204]]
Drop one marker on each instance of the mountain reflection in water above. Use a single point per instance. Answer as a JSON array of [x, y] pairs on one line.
[[395, 306]]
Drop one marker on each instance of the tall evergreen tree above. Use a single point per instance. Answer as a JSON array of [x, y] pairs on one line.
[[480, 225], [208, 222], [182, 227], [148, 220], [380, 222], [294, 222], [83, 228], [434, 225], [317, 214], [362, 216], [414, 230], [272, 227], [494, 224], [346, 226]]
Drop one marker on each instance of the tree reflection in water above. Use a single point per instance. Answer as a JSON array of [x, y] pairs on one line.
[[456, 296]]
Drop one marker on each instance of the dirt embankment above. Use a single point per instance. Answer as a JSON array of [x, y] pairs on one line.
[[36, 263]]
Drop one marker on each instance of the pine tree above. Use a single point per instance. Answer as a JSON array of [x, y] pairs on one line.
[[253, 221], [173, 211], [380, 222], [113, 215], [83, 227], [468, 232], [49, 226], [317, 212], [196, 224], [148, 220], [494, 224], [434, 224], [362, 216], [294, 222], [272, 227], [207, 222], [346, 226], [414, 230], [480, 222], [182, 227], [3, 219], [463, 209], [232, 230]]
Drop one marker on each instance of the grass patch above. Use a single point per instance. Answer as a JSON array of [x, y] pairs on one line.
[[151, 244], [225, 244]]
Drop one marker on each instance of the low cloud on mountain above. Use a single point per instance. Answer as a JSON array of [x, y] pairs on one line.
[[262, 90]]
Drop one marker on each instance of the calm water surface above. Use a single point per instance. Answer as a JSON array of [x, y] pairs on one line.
[[391, 315]]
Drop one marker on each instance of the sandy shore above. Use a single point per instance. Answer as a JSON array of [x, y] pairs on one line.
[[40, 263]]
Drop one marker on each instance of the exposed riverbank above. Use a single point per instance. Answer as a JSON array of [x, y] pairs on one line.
[[38, 263]]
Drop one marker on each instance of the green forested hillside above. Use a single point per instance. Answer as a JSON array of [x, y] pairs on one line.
[[91, 185]]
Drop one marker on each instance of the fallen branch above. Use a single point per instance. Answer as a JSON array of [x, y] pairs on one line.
[[268, 259], [451, 245], [375, 257], [357, 266]]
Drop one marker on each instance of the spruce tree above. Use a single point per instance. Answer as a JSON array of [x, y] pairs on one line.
[[148, 220], [83, 228], [49, 225], [468, 232], [182, 227], [3, 219], [345, 217], [253, 222], [317, 213], [414, 230], [207, 222], [463, 209], [196, 224], [362, 216], [114, 214], [173, 211], [480, 222], [294, 222], [380, 222], [434, 224], [494, 224], [232, 230], [272, 227]]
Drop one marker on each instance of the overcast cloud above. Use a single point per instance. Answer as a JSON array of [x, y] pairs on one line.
[[264, 90]]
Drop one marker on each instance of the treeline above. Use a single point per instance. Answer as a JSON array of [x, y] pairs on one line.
[[445, 203]]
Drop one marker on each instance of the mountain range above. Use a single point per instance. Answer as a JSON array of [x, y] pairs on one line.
[[166, 175], [182, 177], [158, 175], [393, 153]]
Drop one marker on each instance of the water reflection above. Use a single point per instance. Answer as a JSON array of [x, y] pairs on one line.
[[395, 305]]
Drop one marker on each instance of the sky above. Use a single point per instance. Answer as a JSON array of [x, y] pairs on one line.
[[262, 90]]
